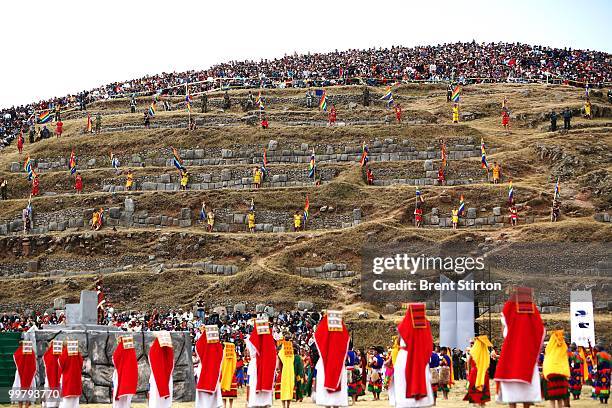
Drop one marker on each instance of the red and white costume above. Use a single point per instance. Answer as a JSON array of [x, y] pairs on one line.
[[332, 340], [52, 370], [71, 366], [262, 366], [25, 361], [210, 353], [161, 360], [517, 369], [125, 374], [411, 375]]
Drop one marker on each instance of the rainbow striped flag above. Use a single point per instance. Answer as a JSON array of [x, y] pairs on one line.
[[152, 108], [176, 160], [29, 168], [259, 102], [557, 190], [323, 101], [388, 96], [44, 117], [455, 94], [483, 155], [444, 154], [72, 163], [419, 197], [461, 205], [312, 166], [510, 192], [306, 208], [365, 152]]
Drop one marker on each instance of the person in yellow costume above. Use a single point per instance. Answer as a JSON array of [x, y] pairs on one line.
[[587, 109], [287, 374], [184, 180], [210, 220], [257, 178], [556, 370], [129, 181], [297, 221], [455, 218], [479, 359], [456, 113], [251, 221], [229, 382], [496, 173]]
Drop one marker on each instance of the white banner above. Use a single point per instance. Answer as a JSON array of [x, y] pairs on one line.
[[456, 316], [582, 319]]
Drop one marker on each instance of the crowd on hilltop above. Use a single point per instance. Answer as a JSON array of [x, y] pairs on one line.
[[461, 62]]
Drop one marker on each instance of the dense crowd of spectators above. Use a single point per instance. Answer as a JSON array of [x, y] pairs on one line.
[[461, 62]]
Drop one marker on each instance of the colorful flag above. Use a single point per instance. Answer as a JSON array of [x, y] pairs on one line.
[[306, 208], [323, 101], [203, 214], [252, 206], [312, 166], [259, 102], [188, 102], [72, 163], [114, 161], [388, 96], [419, 196], [28, 166], [176, 160], [483, 155], [455, 94], [444, 155], [461, 205], [152, 108], [44, 117], [557, 190], [89, 122], [510, 192], [365, 152]]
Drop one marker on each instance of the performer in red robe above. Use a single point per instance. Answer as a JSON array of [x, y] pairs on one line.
[[411, 374], [161, 360], [52, 371], [210, 353], [262, 367], [71, 366], [125, 375], [332, 340], [35, 186], [78, 183], [517, 368], [25, 361]]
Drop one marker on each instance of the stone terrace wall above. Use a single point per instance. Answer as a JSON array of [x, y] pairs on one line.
[[380, 150], [97, 349], [329, 270], [473, 218]]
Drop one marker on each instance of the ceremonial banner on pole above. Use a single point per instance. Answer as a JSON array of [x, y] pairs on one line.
[[582, 320]]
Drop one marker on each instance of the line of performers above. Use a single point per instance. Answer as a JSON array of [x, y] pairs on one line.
[[410, 382]]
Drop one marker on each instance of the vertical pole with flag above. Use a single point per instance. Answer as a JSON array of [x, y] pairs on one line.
[[510, 193], [306, 210], [419, 197], [483, 157], [72, 163], [557, 190], [312, 166], [461, 206], [365, 152]]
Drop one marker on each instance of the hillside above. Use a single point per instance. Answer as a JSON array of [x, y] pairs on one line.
[[152, 252]]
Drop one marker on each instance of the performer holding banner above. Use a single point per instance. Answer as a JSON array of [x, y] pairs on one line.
[[125, 374], [411, 374], [332, 340], [517, 368], [229, 380], [161, 360], [71, 366], [287, 374], [210, 353], [52, 371], [261, 370], [25, 376]]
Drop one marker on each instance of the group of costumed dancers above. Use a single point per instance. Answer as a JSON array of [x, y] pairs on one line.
[[517, 375]]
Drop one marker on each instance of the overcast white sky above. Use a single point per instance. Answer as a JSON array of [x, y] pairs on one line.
[[55, 48]]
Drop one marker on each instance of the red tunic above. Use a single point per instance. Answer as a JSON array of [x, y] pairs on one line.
[[161, 360], [266, 359], [78, 183], [126, 365], [52, 368], [415, 330], [332, 346], [26, 367], [211, 357], [71, 367]]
